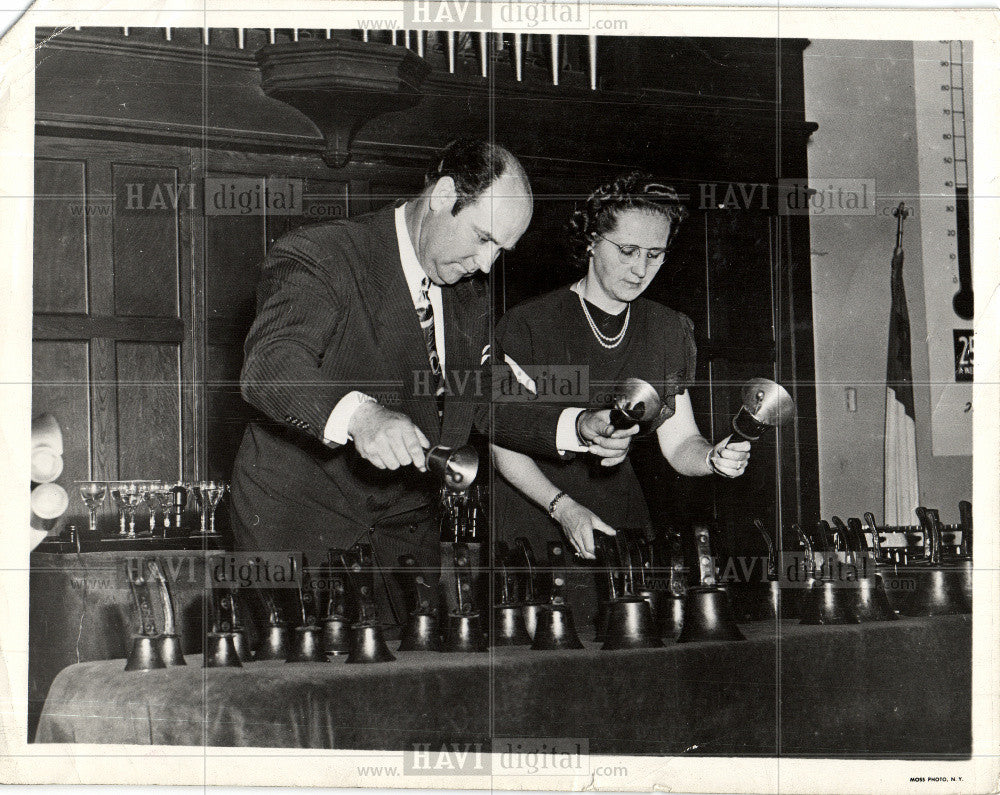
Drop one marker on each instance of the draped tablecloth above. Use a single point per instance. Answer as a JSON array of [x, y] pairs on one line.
[[898, 689]]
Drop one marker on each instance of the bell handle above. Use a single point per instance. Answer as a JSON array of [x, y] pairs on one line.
[[876, 540], [703, 548], [139, 587], [965, 518], [166, 599], [772, 559]]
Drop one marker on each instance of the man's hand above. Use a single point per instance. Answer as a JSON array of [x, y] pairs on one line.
[[386, 438], [601, 437], [728, 458], [579, 523]]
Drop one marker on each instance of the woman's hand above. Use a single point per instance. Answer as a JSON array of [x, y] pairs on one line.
[[578, 524], [729, 458]]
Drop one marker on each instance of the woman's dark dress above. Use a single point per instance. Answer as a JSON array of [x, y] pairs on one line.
[[552, 330]]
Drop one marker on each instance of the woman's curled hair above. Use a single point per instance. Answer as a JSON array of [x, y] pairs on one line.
[[633, 191]]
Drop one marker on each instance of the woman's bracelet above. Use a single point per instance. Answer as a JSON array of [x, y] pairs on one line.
[[554, 502]]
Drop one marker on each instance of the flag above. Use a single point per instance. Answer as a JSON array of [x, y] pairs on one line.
[[901, 495]]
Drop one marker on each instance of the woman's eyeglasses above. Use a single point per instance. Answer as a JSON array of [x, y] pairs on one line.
[[629, 253]]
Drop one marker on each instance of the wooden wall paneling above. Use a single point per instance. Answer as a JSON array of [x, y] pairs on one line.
[[326, 199], [104, 409], [146, 205], [189, 244], [227, 412], [60, 236], [234, 248], [60, 386], [149, 411]]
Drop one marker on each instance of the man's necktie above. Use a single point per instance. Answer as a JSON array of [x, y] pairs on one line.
[[425, 314]]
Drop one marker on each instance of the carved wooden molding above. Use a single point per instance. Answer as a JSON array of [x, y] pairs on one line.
[[341, 84]]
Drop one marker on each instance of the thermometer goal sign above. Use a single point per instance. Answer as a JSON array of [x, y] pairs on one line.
[[943, 93]]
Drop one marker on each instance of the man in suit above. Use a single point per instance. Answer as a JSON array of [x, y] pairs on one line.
[[368, 348]]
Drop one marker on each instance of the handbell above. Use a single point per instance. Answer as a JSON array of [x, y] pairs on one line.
[[708, 616], [509, 626], [368, 645], [827, 602], [170, 650], [636, 402], [422, 633], [274, 645], [457, 468], [766, 404], [555, 629], [335, 636], [307, 645], [145, 654], [941, 589], [630, 625], [464, 633], [220, 651]]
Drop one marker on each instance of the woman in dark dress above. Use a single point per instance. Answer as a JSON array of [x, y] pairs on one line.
[[601, 325]]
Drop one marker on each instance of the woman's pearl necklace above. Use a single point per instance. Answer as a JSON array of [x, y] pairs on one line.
[[603, 339]]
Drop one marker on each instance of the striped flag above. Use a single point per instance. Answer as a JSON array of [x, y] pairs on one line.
[[901, 494]]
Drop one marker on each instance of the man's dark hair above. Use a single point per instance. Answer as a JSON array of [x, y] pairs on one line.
[[473, 164]]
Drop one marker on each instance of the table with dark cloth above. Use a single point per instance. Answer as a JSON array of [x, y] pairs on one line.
[[900, 689], [81, 609]]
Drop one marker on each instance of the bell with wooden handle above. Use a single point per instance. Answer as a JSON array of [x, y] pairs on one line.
[[367, 639], [828, 601], [229, 625], [636, 402], [335, 635], [307, 642], [941, 589], [464, 630], [275, 644], [610, 580], [145, 654], [220, 651], [761, 599], [532, 604], [457, 468], [667, 565], [708, 614], [422, 631], [873, 601], [766, 404], [169, 640], [555, 628], [508, 628]]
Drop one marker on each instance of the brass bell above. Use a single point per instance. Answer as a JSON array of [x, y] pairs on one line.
[[457, 468], [630, 625], [275, 644], [827, 602], [306, 645], [220, 651], [368, 645], [708, 616], [464, 633], [509, 626], [170, 650], [335, 638], [421, 633], [637, 402], [669, 615], [555, 629], [242, 647], [145, 654], [766, 404]]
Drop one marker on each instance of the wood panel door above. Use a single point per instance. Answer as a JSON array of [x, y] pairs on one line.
[[113, 339]]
